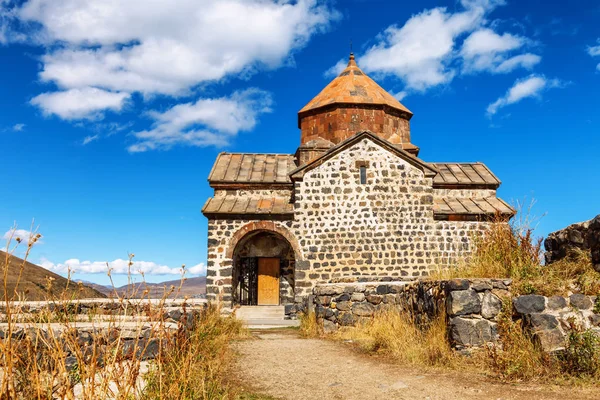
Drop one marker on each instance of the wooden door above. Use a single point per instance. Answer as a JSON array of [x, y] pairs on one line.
[[268, 281]]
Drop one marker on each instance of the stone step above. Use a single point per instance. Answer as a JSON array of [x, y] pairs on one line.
[[260, 313], [271, 323]]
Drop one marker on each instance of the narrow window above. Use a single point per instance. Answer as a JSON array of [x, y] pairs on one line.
[[363, 175]]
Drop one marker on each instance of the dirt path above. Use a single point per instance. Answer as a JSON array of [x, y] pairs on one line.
[[283, 365]]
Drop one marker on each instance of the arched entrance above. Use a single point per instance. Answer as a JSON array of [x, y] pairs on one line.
[[263, 269]]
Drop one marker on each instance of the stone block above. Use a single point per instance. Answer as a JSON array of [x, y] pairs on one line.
[[472, 332], [357, 297], [363, 309], [556, 302], [462, 302], [346, 319], [342, 297], [491, 305], [374, 298], [550, 340], [290, 309], [458, 284], [595, 320], [343, 305], [529, 304], [481, 285], [329, 327], [538, 322], [580, 301], [383, 289]]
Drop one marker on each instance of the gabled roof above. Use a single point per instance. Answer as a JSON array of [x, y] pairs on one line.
[[427, 169], [353, 86], [464, 174], [252, 168]]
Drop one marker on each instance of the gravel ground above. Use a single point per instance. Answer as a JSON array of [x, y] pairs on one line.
[[286, 366]]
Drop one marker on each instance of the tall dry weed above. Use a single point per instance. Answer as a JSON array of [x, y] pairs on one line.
[[393, 332], [43, 356]]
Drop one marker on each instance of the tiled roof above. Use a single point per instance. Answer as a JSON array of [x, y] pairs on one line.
[[244, 205], [353, 86], [252, 168], [471, 206], [249, 168], [451, 174]]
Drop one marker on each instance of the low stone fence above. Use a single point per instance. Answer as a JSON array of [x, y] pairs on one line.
[[471, 306], [550, 319], [135, 328]]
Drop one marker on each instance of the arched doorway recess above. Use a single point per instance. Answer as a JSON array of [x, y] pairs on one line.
[[263, 269]]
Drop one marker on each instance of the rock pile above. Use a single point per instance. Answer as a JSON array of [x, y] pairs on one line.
[[583, 236]]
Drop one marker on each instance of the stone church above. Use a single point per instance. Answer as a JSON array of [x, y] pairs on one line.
[[353, 202]]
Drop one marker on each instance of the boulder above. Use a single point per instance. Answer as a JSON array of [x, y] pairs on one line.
[[529, 304], [580, 301], [329, 327], [472, 332], [556, 302], [357, 297], [346, 319], [462, 302], [374, 298], [343, 305], [491, 305], [363, 309], [481, 285], [458, 284], [550, 340], [538, 322]]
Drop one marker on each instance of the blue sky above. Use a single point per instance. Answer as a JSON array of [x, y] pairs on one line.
[[113, 111]]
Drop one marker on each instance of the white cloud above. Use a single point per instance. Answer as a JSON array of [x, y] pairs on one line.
[[22, 235], [526, 61], [336, 69], [89, 139], [164, 46], [119, 266], [434, 46], [84, 103], [485, 50], [205, 122], [594, 51], [532, 86], [18, 127]]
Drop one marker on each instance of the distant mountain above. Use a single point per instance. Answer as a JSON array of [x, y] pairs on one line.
[[37, 283], [191, 287]]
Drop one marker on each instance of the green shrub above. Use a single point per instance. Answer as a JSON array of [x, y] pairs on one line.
[[582, 354]]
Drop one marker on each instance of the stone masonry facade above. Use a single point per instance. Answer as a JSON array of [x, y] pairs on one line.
[[354, 201]]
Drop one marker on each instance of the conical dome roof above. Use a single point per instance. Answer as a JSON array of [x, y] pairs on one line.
[[353, 86]]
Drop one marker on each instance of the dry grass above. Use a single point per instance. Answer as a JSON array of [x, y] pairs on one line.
[[43, 361], [309, 326], [513, 251], [394, 334], [198, 363], [519, 358]]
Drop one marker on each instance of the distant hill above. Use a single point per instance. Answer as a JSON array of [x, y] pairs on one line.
[[192, 287], [34, 284]]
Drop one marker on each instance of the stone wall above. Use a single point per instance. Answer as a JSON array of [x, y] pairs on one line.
[[100, 327], [471, 306], [550, 319], [340, 123], [583, 236], [454, 240], [383, 227]]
